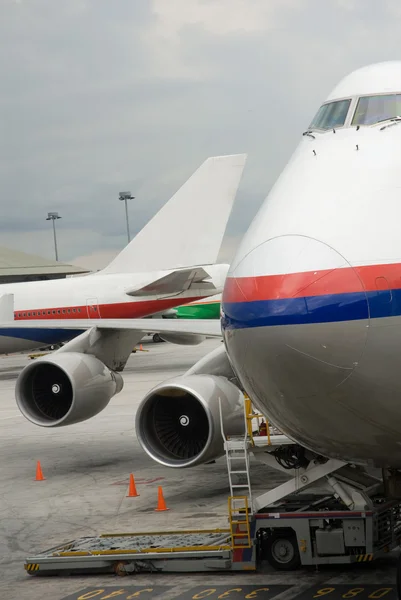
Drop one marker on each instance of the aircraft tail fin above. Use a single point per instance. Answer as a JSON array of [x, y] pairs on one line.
[[189, 228]]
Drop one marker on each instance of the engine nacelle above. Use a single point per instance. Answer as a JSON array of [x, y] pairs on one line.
[[65, 388], [178, 422], [183, 339]]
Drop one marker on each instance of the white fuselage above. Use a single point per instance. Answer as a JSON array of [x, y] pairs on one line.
[[94, 296], [312, 302]]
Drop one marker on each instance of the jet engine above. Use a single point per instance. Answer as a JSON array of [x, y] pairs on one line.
[[65, 388], [178, 422]]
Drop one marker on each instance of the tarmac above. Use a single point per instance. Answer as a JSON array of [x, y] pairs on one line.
[[87, 468]]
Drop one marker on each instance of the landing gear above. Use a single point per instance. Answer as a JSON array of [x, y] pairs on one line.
[[157, 339], [281, 550]]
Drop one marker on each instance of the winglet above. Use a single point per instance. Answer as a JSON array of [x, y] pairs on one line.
[[189, 229], [7, 307]]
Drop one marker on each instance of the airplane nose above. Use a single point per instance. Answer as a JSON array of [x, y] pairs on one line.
[[295, 316]]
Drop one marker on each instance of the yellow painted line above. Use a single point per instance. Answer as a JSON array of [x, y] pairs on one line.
[[187, 549], [163, 533], [80, 553], [146, 551]]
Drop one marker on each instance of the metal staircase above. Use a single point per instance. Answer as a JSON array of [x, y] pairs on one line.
[[238, 515], [240, 500], [237, 456]]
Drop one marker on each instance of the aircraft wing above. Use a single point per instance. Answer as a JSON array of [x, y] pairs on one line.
[[207, 327], [175, 283]]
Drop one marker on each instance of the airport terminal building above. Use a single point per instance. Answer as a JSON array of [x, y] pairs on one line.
[[18, 266]]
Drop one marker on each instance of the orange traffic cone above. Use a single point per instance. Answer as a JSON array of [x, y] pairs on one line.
[[132, 493], [39, 474], [161, 503], [141, 347]]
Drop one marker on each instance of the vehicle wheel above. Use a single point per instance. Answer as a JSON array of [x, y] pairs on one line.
[[119, 569], [282, 551], [157, 339]]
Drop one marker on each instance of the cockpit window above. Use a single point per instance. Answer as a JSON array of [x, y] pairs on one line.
[[373, 109], [331, 115]]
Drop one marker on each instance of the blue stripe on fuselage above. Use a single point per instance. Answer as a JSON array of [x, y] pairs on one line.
[[329, 308], [47, 336]]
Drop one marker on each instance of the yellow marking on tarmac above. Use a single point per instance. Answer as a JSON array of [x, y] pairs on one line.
[[38, 355]]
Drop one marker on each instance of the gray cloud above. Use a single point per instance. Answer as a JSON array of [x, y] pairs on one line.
[[100, 96]]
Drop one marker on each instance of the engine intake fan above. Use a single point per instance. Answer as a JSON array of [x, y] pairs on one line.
[[178, 422], [65, 388]]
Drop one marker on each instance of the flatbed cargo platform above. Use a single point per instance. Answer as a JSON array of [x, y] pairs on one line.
[[194, 550]]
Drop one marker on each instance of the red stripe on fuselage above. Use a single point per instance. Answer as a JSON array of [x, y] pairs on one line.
[[121, 310], [313, 283]]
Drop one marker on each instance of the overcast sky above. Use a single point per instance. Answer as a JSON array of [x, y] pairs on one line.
[[98, 96]]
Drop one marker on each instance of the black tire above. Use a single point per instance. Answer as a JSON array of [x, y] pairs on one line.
[[157, 339], [281, 550]]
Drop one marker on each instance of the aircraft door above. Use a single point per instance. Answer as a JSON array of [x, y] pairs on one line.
[[92, 307], [381, 305]]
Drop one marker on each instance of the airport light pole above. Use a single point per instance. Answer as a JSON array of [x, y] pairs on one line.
[[124, 196], [53, 216]]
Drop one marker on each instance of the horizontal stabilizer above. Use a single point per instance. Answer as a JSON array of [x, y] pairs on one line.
[[176, 283], [7, 307], [188, 230], [207, 327]]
